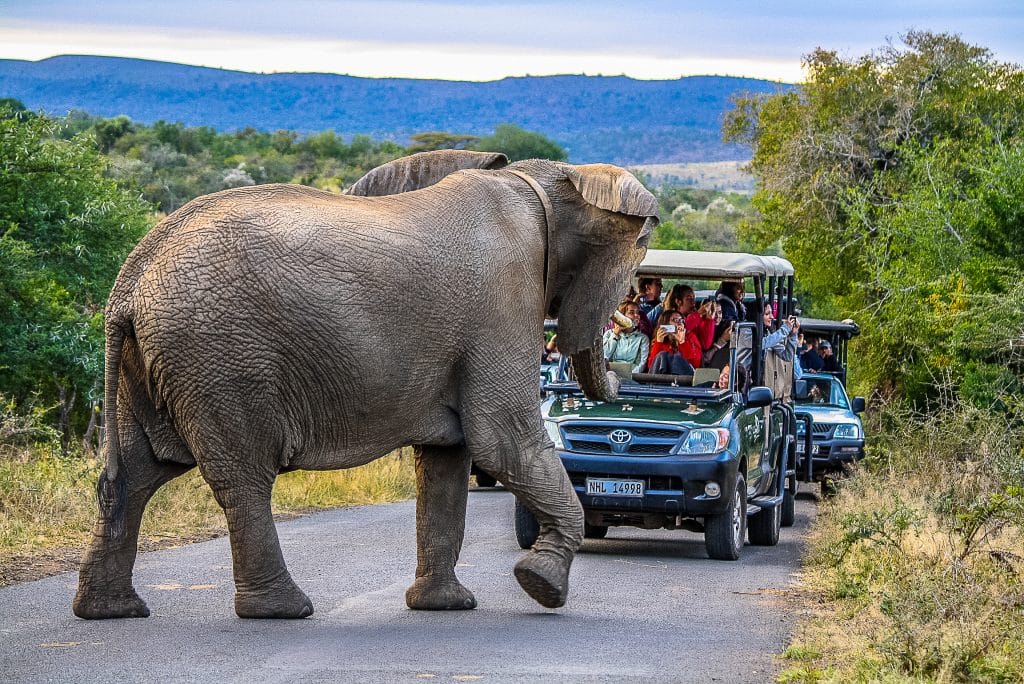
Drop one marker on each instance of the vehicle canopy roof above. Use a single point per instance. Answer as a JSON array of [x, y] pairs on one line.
[[818, 326], [676, 263]]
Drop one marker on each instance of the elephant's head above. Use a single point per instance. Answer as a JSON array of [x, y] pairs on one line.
[[600, 219]]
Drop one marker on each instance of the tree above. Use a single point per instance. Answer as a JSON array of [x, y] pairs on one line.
[[65, 229], [437, 140], [518, 144], [890, 180]]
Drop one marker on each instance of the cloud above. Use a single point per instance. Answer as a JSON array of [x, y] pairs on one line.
[[486, 39]]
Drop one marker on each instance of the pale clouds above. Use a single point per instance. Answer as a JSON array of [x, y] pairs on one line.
[[482, 40]]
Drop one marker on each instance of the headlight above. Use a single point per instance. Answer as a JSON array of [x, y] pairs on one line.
[[847, 431], [705, 441], [554, 433]]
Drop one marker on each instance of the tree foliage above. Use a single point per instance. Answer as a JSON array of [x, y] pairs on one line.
[[520, 144], [893, 182], [65, 228], [439, 140]]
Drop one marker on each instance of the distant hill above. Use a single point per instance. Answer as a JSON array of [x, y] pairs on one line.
[[727, 176], [596, 118]]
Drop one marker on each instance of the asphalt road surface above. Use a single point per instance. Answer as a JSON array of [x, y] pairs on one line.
[[643, 606]]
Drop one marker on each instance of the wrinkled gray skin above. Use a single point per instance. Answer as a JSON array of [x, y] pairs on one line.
[[279, 327]]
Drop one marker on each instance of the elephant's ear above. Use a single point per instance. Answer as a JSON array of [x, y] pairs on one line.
[[614, 189], [422, 170]]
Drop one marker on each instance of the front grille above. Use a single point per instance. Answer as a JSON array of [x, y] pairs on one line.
[[639, 430], [819, 429], [592, 437]]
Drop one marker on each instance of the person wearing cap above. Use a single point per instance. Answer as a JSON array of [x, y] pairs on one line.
[[828, 359]]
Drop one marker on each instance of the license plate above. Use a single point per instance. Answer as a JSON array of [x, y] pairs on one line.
[[800, 448], [607, 487]]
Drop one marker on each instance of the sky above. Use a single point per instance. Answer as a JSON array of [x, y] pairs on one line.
[[480, 40]]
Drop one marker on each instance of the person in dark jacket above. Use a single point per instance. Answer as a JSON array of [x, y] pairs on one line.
[[730, 296], [810, 360]]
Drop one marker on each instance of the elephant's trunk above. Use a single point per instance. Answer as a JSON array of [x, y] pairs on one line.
[[596, 382]]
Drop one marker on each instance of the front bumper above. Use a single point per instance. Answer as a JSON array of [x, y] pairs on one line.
[[829, 455], [673, 485]]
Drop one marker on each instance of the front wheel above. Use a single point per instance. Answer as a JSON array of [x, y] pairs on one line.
[[724, 533], [527, 527]]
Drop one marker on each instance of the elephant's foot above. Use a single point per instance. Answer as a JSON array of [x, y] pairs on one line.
[[432, 593], [545, 577], [92, 606], [279, 601]]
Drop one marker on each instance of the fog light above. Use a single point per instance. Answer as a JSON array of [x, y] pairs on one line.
[[712, 490]]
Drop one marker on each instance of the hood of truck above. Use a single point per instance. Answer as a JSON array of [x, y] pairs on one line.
[[696, 413], [822, 413]]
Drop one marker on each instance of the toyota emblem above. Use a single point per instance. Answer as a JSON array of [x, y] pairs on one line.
[[621, 437]]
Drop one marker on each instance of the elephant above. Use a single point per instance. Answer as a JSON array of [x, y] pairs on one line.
[[277, 327]]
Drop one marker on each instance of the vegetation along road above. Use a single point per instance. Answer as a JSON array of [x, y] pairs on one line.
[[643, 605]]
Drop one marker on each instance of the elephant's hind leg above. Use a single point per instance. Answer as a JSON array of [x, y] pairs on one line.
[[105, 576], [442, 485], [263, 587]]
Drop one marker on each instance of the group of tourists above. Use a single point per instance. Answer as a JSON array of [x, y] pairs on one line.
[[674, 335]]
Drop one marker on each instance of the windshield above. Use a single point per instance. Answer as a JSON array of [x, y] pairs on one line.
[[824, 392]]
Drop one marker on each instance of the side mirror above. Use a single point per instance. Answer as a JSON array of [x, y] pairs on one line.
[[760, 396], [858, 404], [800, 389]]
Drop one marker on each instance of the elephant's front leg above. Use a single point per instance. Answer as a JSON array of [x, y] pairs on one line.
[[263, 587], [442, 485], [526, 463]]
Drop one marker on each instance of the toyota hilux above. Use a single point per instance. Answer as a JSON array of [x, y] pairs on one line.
[[710, 452]]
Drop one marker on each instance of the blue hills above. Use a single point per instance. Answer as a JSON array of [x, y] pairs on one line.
[[596, 118]]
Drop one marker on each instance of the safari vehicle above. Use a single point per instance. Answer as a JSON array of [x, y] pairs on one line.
[[836, 435], [677, 451]]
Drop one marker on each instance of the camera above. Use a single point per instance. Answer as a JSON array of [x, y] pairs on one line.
[[668, 328]]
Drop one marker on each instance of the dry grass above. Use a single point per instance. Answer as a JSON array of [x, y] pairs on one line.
[[48, 505], [916, 569]]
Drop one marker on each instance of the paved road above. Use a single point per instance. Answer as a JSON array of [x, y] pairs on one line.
[[643, 605]]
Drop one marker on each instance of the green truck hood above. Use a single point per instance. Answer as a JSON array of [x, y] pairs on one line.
[[659, 410]]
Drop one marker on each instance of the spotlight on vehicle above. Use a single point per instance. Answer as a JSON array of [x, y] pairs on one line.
[[712, 490]]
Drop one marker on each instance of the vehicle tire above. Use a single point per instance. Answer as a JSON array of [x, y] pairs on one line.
[[789, 502], [724, 533], [485, 480], [594, 531], [764, 526], [527, 527]]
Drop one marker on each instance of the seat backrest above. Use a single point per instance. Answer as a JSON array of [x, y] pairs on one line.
[[703, 375], [623, 369], [778, 375]]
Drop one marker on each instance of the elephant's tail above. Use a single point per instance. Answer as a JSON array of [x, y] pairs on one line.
[[112, 489]]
